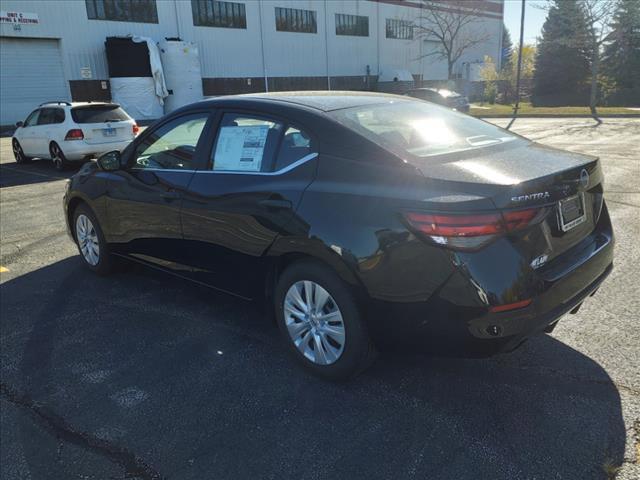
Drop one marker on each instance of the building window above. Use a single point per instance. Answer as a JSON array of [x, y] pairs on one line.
[[295, 20], [354, 25], [212, 13], [400, 29], [143, 11]]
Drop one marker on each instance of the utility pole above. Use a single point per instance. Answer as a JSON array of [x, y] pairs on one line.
[[517, 105]]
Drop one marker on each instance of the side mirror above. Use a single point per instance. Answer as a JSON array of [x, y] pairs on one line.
[[19, 124], [110, 161]]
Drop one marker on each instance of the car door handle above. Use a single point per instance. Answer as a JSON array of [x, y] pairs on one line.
[[275, 203]]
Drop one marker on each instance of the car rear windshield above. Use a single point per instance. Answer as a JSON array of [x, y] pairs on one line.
[[419, 129], [98, 114]]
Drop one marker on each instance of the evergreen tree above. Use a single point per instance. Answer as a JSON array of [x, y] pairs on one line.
[[507, 47], [622, 52], [562, 60]]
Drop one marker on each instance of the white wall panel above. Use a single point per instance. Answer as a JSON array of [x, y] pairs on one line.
[[31, 74], [228, 52]]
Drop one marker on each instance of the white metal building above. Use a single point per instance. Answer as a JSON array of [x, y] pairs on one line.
[[55, 49]]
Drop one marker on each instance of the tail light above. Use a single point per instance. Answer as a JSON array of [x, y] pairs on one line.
[[510, 306], [468, 232], [74, 134], [135, 129]]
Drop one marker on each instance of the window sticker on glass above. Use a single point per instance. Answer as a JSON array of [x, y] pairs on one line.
[[240, 148]]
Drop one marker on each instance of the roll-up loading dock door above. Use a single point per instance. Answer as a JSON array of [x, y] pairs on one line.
[[31, 73]]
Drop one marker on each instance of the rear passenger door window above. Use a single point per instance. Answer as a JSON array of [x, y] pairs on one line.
[[46, 116], [246, 144], [58, 116], [254, 144]]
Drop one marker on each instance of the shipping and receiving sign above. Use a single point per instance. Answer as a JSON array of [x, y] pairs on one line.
[[19, 18]]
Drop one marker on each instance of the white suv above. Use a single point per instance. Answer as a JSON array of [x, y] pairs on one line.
[[66, 132]]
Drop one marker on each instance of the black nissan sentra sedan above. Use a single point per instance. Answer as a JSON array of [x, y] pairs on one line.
[[366, 220]]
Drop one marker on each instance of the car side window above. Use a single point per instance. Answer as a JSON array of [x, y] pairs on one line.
[[32, 119], [296, 144], [46, 116], [172, 145], [246, 144], [58, 115]]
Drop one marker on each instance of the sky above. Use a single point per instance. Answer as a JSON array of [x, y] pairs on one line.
[[533, 19]]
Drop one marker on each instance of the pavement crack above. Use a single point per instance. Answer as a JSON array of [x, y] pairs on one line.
[[623, 203], [133, 465]]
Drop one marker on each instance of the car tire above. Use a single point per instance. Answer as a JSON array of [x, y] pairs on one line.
[[18, 153], [333, 346], [90, 240], [57, 157]]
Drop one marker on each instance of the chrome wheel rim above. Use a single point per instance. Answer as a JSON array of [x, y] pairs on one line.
[[56, 156], [314, 322], [17, 152], [87, 240]]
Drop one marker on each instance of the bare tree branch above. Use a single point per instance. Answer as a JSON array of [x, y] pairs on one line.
[[449, 25]]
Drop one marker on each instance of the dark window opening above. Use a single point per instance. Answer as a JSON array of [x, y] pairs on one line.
[[354, 25], [399, 29], [295, 20], [143, 11], [214, 13]]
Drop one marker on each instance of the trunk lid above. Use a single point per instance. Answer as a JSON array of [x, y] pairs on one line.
[[566, 186]]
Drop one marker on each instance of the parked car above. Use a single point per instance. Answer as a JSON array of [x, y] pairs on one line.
[[67, 132], [365, 220], [442, 97]]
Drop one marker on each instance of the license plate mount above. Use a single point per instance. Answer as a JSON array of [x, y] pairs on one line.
[[571, 212], [109, 132]]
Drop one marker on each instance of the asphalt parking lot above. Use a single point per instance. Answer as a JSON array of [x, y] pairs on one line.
[[140, 375]]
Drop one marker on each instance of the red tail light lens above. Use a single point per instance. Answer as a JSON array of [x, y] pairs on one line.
[[74, 134], [456, 225], [135, 128], [510, 306], [469, 231]]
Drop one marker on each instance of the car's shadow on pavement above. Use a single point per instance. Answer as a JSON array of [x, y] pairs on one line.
[[34, 171], [196, 384]]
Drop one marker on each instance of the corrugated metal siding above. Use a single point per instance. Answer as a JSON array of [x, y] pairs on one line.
[[238, 53], [228, 52], [31, 74]]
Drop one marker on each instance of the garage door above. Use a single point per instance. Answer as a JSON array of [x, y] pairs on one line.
[[31, 74]]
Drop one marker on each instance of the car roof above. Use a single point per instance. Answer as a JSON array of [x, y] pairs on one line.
[[74, 104], [318, 100]]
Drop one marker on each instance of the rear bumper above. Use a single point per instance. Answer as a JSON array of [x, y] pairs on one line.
[[78, 150], [455, 325]]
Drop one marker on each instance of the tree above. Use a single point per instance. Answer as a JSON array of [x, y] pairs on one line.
[[621, 59], [490, 76], [509, 74], [563, 54], [598, 16], [507, 47], [452, 28]]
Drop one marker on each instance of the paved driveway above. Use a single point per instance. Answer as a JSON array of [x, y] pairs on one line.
[[140, 375]]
